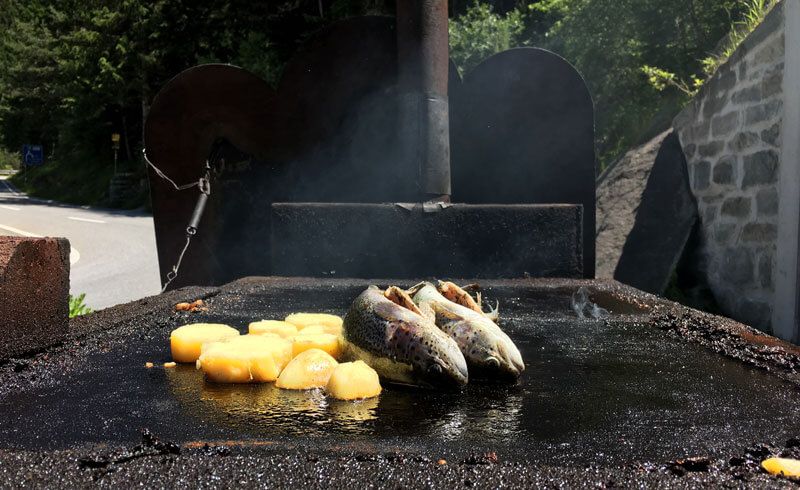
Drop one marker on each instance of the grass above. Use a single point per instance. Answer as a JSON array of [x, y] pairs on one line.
[[82, 183], [9, 160], [754, 13], [77, 306]]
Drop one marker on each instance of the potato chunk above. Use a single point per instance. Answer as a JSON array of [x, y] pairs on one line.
[[353, 381], [315, 329], [776, 466], [278, 327], [323, 341], [245, 359], [303, 320], [186, 341], [310, 369]]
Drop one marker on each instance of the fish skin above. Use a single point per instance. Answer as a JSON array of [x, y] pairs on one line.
[[401, 345], [488, 350]]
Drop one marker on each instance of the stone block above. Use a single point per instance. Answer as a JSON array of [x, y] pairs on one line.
[[765, 271], [34, 293], [737, 266], [723, 80], [711, 149], [665, 218], [773, 51], [759, 232], [723, 233], [743, 141], [767, 202], [714, 105], [749, 94], [743, 70], [689, 150], [686, 117], [763, 112], [772, 84], [760, 168], [738, 207], [709, 214], [702, 173], [725, 124], [771, 135], [725, 170]]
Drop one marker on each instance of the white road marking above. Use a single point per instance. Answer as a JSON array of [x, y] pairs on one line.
[[88, 220], [10, 189], [19, 232], [74, 255], [10, 208]]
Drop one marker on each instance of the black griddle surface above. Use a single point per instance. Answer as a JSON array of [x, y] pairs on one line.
[[624, 395], [594, 391]]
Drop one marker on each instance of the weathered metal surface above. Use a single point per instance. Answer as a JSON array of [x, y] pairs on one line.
[[664, 221], [522, 127], [423, 64], [649, 385], [193, 110], [331, 134], [278, 146], [407, 240]]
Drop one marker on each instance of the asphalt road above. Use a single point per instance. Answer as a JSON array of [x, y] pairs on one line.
[[113, 257]]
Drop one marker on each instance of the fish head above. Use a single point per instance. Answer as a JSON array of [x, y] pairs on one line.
[[488, 356], [407, 337], [437, 360]]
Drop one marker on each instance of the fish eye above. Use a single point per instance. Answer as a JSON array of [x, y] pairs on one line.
[[492, 362], [434, 369]]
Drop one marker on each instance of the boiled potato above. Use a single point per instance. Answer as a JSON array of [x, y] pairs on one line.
[[310, 369], [315, 329], [323, 341], [776, 466], [303, 320], [278, 327], [187, 340], [245, 359], [353, 381]]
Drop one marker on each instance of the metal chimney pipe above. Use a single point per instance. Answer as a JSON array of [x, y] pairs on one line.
[[423, 63]]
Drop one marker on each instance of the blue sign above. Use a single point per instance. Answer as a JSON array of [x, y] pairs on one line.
[[32, 155]]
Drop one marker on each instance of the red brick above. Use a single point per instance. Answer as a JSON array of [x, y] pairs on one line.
[[34, 293]]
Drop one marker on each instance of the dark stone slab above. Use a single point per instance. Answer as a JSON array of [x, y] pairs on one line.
[[392, 240], [738, 207], [522, 132], [664, 221], [329, 134], [760, 168], [34, 292]]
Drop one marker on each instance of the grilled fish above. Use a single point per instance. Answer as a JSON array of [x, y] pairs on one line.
[[387, 331], [488, 350]]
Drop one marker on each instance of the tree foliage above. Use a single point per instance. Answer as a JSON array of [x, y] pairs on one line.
[[74, 71]]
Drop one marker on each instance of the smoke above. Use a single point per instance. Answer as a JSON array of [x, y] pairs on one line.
[[584, 308]]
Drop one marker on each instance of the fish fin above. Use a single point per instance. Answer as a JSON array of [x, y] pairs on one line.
[[478, 299], [401, 298], [494, 313], [413, 289]]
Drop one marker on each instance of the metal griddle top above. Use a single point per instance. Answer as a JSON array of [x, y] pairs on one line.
[[594, 391]]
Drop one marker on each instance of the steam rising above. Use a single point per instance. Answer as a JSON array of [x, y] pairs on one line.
[[584, 308]]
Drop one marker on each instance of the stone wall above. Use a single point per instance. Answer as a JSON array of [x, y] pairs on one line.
[[731, 136]]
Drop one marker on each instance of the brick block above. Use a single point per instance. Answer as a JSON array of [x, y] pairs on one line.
[[34, 292]]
